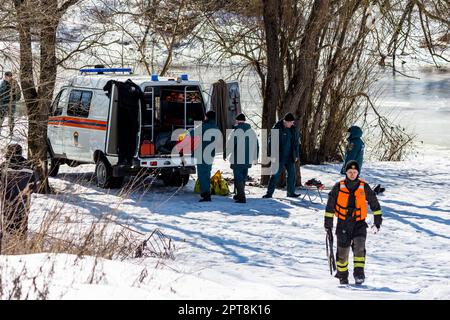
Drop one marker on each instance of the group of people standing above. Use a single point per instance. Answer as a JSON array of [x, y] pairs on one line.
[[244, 154], [348, 200]]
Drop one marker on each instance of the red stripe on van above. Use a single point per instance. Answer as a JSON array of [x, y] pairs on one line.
[[78, 123]]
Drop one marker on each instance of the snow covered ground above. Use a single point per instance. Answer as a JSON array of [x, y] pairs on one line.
[[265, 249]]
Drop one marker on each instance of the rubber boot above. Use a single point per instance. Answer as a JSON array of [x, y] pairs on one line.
[[206, 197], [240, 189]]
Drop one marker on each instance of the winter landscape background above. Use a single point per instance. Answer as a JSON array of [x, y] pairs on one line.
[[264, 249], [267, 248]]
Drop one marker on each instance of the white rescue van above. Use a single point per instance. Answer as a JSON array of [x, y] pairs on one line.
[[85, 124]]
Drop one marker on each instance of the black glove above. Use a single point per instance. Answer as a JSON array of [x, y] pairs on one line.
[[328, 223], [378, 219]]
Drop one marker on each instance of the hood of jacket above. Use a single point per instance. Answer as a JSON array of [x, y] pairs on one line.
[[355, 132]]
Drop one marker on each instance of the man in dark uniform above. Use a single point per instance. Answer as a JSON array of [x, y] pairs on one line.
[[10, 93], [17, 182], [289, 152], [355, 147], [204, 164], [244, 145], [348, 202]]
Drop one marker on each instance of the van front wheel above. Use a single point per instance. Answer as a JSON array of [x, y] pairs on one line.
[[103, 173], [53, 167]]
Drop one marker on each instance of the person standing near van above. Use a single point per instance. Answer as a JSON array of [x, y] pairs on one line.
[[204, 166], [244, 152], [10, 93], [17, 182], [289, 153]]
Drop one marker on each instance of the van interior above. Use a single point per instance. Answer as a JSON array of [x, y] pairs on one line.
[[166, 109]]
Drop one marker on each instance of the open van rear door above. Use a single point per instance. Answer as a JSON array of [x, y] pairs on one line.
[[111, 147], [225, 100]]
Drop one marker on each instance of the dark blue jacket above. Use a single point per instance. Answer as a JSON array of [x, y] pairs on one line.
[[206, 125], [246, 152], [355, 148], [17, 182], [9, 96], [286, 141]]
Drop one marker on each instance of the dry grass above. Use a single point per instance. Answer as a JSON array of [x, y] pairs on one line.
[[58, 228]]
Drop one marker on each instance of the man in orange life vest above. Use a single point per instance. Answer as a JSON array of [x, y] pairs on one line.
[[348, 202]]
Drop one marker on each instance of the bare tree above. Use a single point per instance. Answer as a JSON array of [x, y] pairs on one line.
[[45, 16]]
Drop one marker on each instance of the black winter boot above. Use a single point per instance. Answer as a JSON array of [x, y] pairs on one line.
[[206, 197], [293, 195], [342, 276], [240, 191], [359, 275]]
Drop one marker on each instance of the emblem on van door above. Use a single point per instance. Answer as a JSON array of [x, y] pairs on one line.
[[75, 138]]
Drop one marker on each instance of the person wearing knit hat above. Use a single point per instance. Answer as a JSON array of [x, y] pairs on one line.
[[243, 144], [352, 164], [204, 162], [240, 117], [289, 154], [354, 149], [289, 117], [10, 93], [348, 202], [211, 115], [17, 181]]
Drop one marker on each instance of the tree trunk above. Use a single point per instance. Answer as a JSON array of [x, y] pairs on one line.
[[38, 100], [26, 69], [300, 88], [272, 94], [37, 138]]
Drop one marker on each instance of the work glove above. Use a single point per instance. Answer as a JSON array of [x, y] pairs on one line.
[[378, 219], [328, 223]]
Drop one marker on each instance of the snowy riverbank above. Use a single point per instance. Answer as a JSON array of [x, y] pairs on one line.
[[265, 249]]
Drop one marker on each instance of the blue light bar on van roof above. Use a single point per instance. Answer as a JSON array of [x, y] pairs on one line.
[[184, 77], [155, 77], [103, 70]]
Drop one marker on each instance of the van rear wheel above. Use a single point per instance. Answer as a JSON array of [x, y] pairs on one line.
[[103, 173]]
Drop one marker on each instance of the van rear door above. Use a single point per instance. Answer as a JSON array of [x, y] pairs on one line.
[[112, 130], [225, 100]]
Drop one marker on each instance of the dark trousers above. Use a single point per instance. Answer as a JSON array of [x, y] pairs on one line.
[[6, 112], [204, 177], [240, 175], [351, 234], [290, 180]]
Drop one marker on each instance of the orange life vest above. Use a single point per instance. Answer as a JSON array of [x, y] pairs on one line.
[[341, 207]]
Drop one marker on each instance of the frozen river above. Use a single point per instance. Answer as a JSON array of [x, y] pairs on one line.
[[422, 105]]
